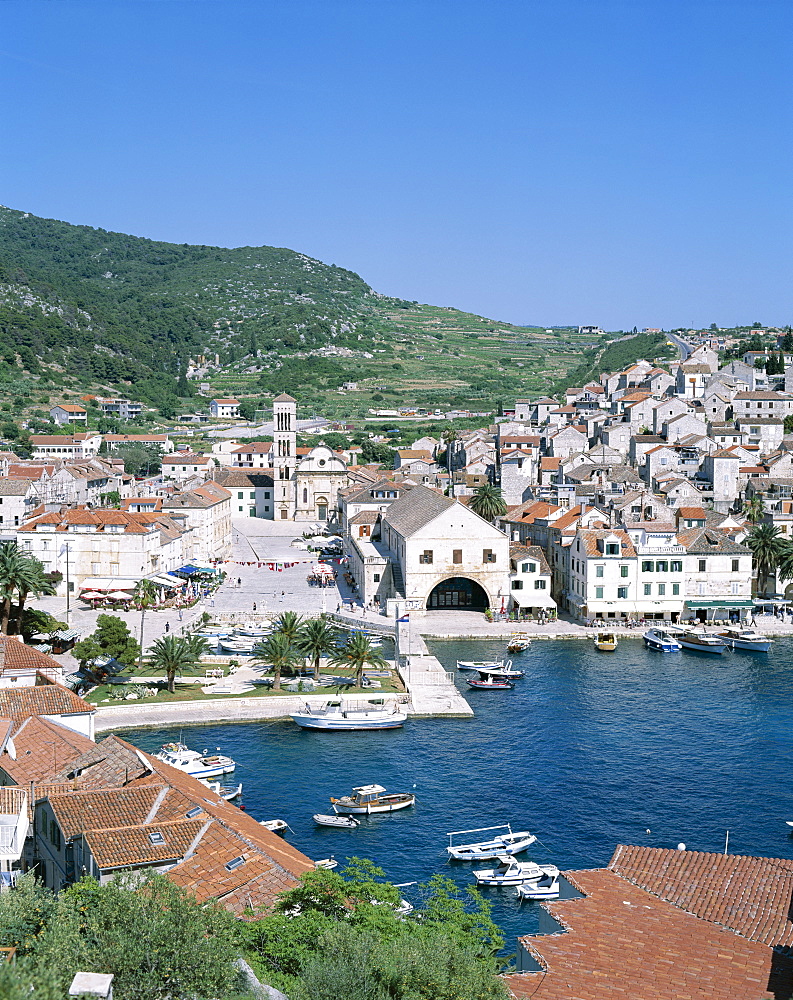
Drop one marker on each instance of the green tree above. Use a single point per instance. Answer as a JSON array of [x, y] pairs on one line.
[[317, 638], [38, 623], [488, 502], [289, 624], [279, 654], [111, 637], [449, 436], [358, 653], [173, 655], [767, 545], [754, 509], [20, 575]]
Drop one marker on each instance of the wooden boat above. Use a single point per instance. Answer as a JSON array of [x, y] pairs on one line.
[[518, 643], [368, 799], [227, 792], [483, 664], [746, 638], [274, 825], [339, 822], [606, 642], [545, 887], [496, 846], [487, 682], [508, 871], [327, 863], [337, 715], [238, 647], [656, 638]]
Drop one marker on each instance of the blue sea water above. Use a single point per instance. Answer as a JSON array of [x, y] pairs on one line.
[[589, 750]]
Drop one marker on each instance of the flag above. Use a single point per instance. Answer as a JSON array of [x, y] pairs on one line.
[[405, 617]]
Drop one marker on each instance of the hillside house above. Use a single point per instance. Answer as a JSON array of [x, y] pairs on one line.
[[224, 409]]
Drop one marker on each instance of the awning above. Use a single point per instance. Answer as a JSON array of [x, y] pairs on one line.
[[109, 583], [164, 580], [65, 636], [716, 605]]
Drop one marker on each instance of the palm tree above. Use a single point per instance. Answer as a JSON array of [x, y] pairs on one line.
[[754, 509], [173, 654], [488, 502], [358, 653], [20, 575], [317, 639], [278, 653], [449, 435], [288, 623], [31, 580], [785, 563], [767, 545]]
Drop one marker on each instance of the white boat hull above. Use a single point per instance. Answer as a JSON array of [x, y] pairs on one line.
[[370, 808], [347, 722], [665, 644], [487, 850], [516, 874], [702, 647], [337, 822], [544, 888]]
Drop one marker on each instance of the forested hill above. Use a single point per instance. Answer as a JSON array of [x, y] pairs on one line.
[[120, 307]]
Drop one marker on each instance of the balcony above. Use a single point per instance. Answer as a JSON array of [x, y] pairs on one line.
[[660, 550]]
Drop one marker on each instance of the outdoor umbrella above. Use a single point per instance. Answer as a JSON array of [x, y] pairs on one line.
[[91, 595], [119, 595]]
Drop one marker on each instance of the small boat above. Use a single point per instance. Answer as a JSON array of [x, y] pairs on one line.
[[227, 792], [327, 863], [656, 638], [368, 799], [199, 765], [545, 887], [252, 631], [518, 643], [746, 638], [337, 716], [483, 664], [339, 822], [487, 682], [239, 647], [508, 871], [700, 641], [606, 642], [274, 825], [495, 847], [502, 673], [789, 822]]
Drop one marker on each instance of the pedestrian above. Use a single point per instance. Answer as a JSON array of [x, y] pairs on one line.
[[167, 626], [283, 595], [338, 608], [181, 614], [239, 581]]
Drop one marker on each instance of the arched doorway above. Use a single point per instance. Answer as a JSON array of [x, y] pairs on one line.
[[458, 592]]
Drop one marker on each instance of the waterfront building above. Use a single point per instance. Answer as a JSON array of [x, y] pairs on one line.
[[529, 580]]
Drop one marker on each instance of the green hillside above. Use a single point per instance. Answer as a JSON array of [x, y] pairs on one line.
[[85, 309]]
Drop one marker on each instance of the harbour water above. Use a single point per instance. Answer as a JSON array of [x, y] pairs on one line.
[[589, 750]]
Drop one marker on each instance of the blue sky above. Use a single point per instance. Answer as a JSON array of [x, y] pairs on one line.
[[622, 163]]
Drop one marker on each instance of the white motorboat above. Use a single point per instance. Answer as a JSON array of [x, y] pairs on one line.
[[239, 647], [483, 664], [507, 673], [656, 638], [546, 887], [227, 792], [340, 716], [518, 643], [746, 638], [368, 799], [339, 822], [327, 863], [274, 825], [700, 641], [496, 846], [200, 765], [252, 631], [488, 682], [508, 871]]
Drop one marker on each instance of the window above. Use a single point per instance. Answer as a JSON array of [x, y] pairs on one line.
[[735, 588], [676, 589], [517, 584], [532, 567], [623, 571], [305, 496], [253, 495], [598, 592], [676, 566], [701, 566], [376, 577], [239, 497], [661, 589], [599, 571], [488, 556], [457, 555], [155, 837], [612, 548], [648, 589], [195, 811], [701, 589], [662, 566], [426, 557], [622, 593], [235, 863], [647, 566], [539, 584], [735, 565]]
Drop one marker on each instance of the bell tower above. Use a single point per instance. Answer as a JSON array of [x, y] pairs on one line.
[[284, 456]]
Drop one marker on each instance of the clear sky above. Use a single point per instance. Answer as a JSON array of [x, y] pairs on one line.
[[619, 162]]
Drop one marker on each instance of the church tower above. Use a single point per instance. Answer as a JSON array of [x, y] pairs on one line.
[[284, 456]]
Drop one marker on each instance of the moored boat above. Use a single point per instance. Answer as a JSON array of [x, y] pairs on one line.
[[545, 887], [199, 765], [227, 792], [483, 664], [338, 822], [502, 673], [518, 643], [606, 642], [656, 638], [746, 638], [700, 641], [508, 871], [496, 846], [274, 825], [487, 682], [368, 799], [239, 647], [337, 715]]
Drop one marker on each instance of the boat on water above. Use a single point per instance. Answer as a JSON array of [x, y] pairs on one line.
[[518, 643], [340, 716], [503, 673], [252, 631], [227, 792], [656, 638], [545, 887], [497, 845], [368, 799], [746, 638], [327, 863], [483, 664], [508, 871], [240, 647], [274, 825], [199, 765], [486, 681], [338, 822], [606, 642], [700, 641]]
